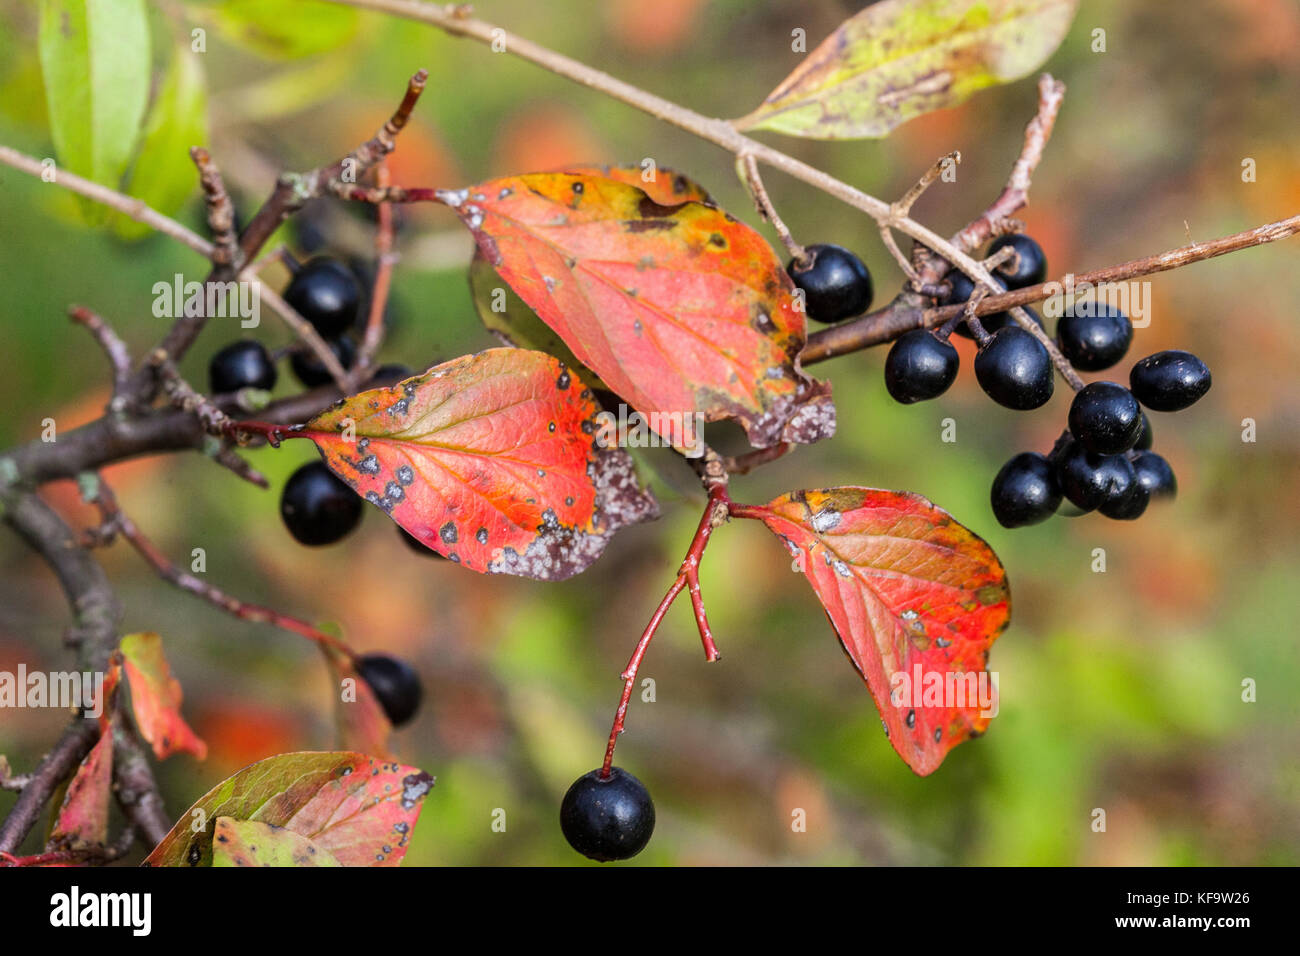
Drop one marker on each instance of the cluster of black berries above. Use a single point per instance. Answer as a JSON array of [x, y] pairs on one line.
[[1104, 461]]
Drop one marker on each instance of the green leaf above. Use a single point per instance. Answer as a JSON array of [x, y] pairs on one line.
[[252, 843], [285, 29], [95, 63], [899, 59], [164, 176]]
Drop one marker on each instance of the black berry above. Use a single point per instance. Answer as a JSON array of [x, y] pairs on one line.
[[311, 371], [327, 294], [1025, 491], [1146, 437], [920, 366], [836, 285], [416, 545], [1015, 369], [391, 372], [1127, 507], [1105, 418], [317, 506], [1090, 481], [395, 684], [1027, 267], [1169, 381], [1155, 475], [242, 364], [607, 818], [1094, 336]]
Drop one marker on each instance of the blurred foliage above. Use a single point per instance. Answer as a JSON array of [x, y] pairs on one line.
[[1120, 690]]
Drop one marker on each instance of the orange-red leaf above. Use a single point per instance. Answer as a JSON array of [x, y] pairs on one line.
[[156, 698], [916, 599], [678, 308], [665, 186], [83, 817], [492, 460]]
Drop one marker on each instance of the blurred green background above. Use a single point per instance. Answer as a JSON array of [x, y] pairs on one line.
[[1120, 690]]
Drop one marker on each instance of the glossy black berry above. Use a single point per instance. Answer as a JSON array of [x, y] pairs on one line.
[[1169, 381], [317, 507], [327, 294], [395, 684], [243, 364], [1015, 369], [1093, 335], [1027, 267], [920, 366], [1025, 491], [1127, 507], [1146, 437], [416, 545], [311, 371], [1090, 481], [1105, 418], [607, 818], [1155, 475], [836, 285]]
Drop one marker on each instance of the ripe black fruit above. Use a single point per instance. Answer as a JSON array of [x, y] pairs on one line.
[[327, 294], [836, 285], [607, 818], [1090, 481], [1015, 369], [317, 507], [1027, 267], [1105, 418], [1169, 381], [1094, 336], [1025, 491], [242, 364], [1155, 475], [311, 371], [395, 684], [920, 366]]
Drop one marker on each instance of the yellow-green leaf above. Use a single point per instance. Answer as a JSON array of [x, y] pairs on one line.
[[95, 64], [253, 843], [163, 175], [899, 59]]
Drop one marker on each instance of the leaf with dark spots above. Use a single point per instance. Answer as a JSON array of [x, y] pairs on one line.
[[899, 59], [253, 843], [672, 320], [665, 186], [490, 441], [915, 598], [156, 698], [358, 809]]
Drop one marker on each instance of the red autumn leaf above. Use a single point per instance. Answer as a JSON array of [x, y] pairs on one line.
[[83, 817], [360, 719], [492, 460], [156, 698], [678, 308], [359, 809], [915, 598]]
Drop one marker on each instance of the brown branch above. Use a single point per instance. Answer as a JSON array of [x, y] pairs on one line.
[[119, 358], [221, 212], [385, 260], [753, 180], [135, 786], [55, 767]]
